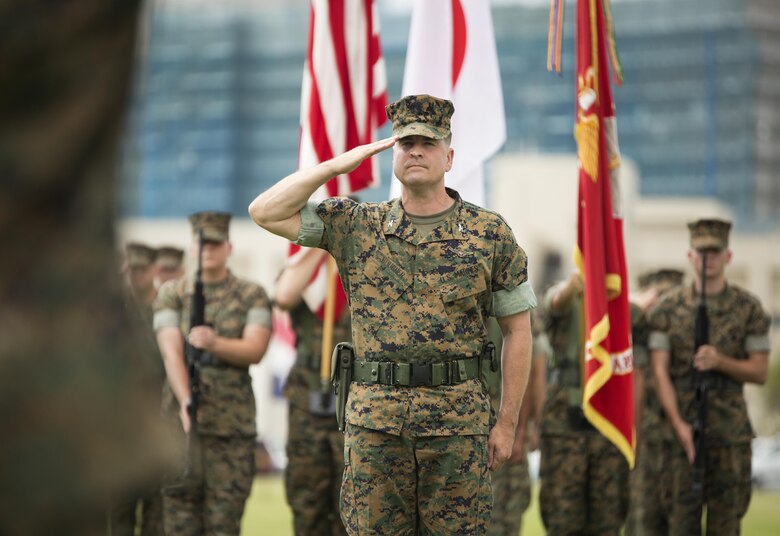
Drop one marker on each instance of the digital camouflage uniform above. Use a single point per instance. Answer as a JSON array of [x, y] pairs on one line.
[[214, 502], [738, 325], [416, 457], [315, 446], [511, 482], [77, 422], [584, 477]]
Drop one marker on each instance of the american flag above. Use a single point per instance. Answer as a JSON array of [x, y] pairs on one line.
[[344, 93]]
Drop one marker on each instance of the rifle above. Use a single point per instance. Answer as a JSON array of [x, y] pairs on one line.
[[701, 337], [193, 359]]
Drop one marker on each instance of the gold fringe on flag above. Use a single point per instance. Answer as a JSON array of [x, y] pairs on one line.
[[555, 36], [614, 59]]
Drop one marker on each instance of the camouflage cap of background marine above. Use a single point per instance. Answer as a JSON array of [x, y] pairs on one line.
[[663, 279], [421, 115], [709, 234], [215, 225], [170, 257], [139, 255]]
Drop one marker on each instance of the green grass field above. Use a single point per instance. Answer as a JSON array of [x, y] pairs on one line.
[[267, 513]]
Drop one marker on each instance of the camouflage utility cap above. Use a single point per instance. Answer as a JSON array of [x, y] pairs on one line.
[[709, 234], [140, 255], [663, 279], [421, 115], [215, 225], [170, 257]]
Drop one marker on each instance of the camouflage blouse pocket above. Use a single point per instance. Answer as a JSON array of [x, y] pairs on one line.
[[381, 277], [461, 289], [461, 293]]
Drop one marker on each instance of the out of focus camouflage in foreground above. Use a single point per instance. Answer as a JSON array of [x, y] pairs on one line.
[[78, 426]]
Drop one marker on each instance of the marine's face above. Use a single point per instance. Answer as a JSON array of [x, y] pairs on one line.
[[716, 261], [215, 254], [141, 278], [418, 160]]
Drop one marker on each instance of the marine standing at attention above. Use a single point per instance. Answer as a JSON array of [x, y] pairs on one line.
[[423, 273]]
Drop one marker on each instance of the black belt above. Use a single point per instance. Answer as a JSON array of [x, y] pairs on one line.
[[416, 375]]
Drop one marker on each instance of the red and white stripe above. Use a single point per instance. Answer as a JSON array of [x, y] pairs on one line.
[[344, 93]]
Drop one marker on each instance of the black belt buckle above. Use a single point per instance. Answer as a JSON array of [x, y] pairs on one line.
[[419, 375]]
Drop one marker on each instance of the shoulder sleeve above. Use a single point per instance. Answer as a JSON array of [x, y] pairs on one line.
[[259, 312], [312, 227], [167, 306], [757, 328], [541, 345], [510, 264], [517, 300], [658, 321], [328, 225]]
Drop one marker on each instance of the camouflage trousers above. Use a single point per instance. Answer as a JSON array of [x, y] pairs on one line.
[[646, 514], [511, 497], [213, 502], [125, 520], [584, 487], [727, 489], [315, 466], [405, 486]]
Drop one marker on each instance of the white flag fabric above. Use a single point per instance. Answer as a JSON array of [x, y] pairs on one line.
[[452, 55], [343, 98]]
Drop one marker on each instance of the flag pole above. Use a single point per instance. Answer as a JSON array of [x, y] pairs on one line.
[[327, 323]]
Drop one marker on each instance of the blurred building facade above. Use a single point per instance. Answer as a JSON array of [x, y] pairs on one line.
[[217, 108]]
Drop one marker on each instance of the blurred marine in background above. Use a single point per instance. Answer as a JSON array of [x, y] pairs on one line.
[[235, 335], [584, 477], [315, 446], [646, 514], [169, 264], [141, 510], [735, 352]]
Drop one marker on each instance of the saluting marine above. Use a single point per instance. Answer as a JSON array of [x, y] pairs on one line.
[[423, 274]]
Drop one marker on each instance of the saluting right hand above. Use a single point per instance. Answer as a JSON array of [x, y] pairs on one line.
[[346, 162]]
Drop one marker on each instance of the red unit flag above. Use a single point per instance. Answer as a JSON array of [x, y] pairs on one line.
[[608, 391]]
